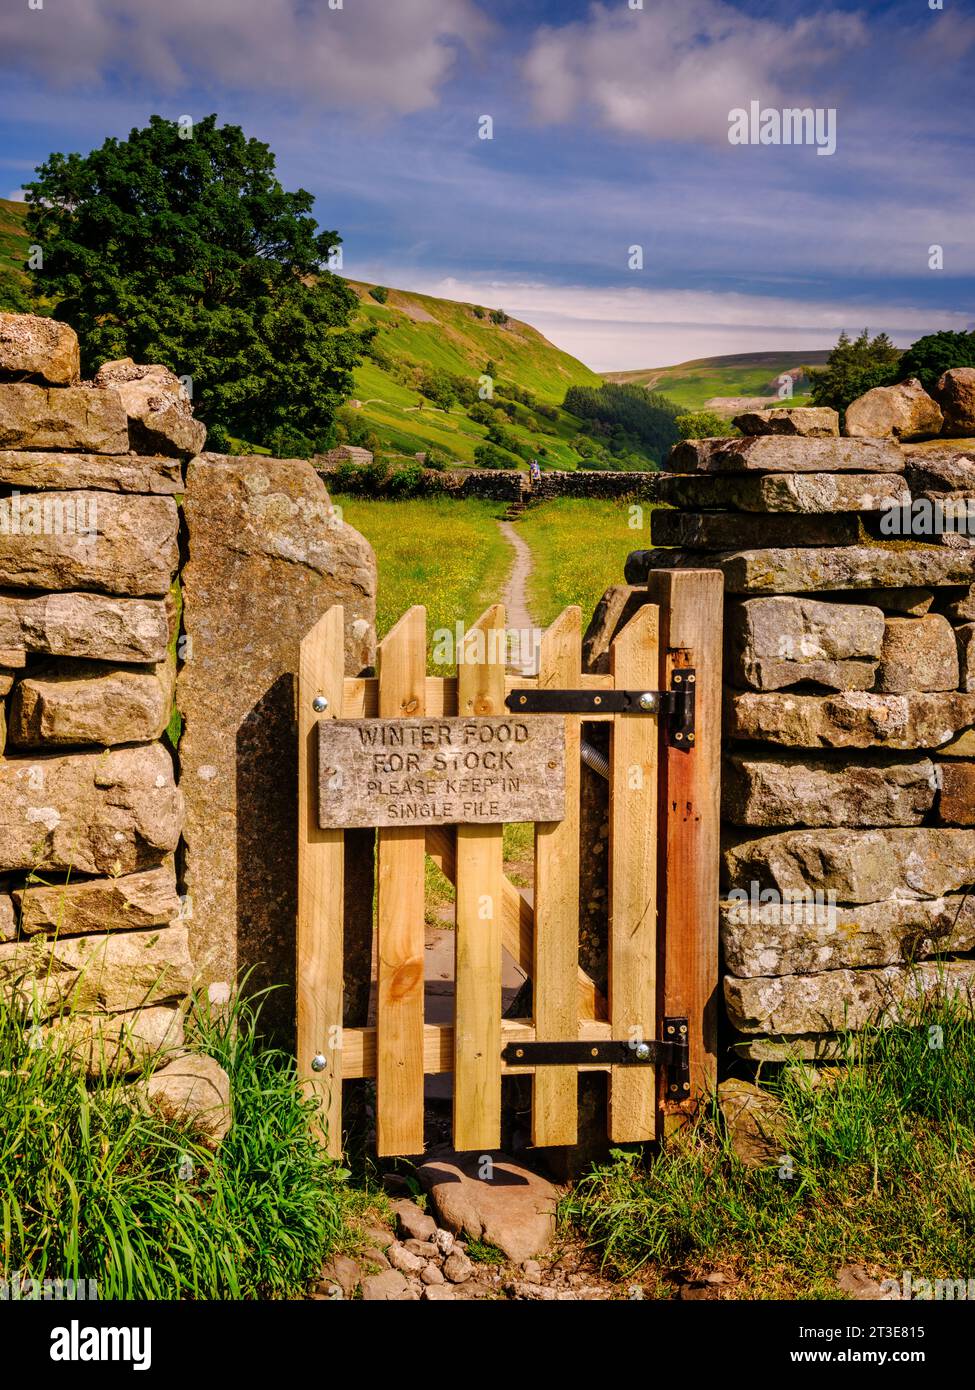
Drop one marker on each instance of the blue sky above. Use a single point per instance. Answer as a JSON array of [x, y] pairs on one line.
[[610, 130]]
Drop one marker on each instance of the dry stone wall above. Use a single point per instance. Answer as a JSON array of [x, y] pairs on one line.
[[106, 841], [849, 721]]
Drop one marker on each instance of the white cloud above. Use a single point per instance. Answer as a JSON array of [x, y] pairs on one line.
[[673, 71], [619, 330], [385, 54]]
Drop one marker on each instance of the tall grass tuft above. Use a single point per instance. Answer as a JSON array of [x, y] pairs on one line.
[[877, 1167], [92, 1188]]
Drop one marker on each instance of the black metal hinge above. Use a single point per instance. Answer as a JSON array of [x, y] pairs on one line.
[[677, 705], [671, 1051]]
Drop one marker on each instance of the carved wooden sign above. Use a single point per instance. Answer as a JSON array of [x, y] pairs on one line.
[[433, 771]]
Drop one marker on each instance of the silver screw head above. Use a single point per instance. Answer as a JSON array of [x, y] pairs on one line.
[[648, 702], [319, 1062], [642, 1051], [319, 704]]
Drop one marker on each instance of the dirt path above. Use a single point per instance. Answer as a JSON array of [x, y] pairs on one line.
[[522, 653]]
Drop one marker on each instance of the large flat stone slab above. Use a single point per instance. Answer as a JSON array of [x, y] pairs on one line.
[[103, 974], [513, 1207], [94, 626], [764, 790], [843, 999], [806, 570], [267, 559], [809, 422], [89, 540], [82, 906], [744, 530], [94, 813], [858, 866], [809, 493], [43, 348], [778, 454], [63, 417], [103, 472], [801, 937], [848, 719]]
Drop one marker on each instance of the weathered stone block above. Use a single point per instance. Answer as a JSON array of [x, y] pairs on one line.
[[83, 906], [160, 415], [904, 411], [100, 472], [784, 492], [965, 636], [93, 813], [92, 703], [853, 719], [65, 417], [844, 999], [804, 937], [39, 347], [775, 642], [955, 394], [918, 654], [8, 920], [862, 866], [612, 612], [809, 422], [764, 790], [771, 454], [956, 804], [962, 609], [96, 540], [120, 1043], [946, 470], [262, 539], [734, 530], [86, 625], [809, 570], [104, 974]]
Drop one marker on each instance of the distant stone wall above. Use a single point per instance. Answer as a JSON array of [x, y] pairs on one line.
[[849, 776], [512, 485], [109, 914]]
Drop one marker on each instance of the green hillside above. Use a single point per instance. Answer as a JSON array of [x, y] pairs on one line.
[[14, 281], [418, 335], [690, 384]]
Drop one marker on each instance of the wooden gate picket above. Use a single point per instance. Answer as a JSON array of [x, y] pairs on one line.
[[653, 975]]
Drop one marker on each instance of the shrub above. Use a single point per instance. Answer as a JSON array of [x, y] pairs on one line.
[[704, 424], [930, 357], [490, 456], [407, 481], [379, 293], [437, 460], [499, 317]]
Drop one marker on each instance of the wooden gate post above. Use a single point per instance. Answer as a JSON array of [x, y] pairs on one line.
[[321, 882], [691, 611]]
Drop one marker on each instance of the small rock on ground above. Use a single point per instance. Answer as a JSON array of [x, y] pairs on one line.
[[513, 1208]]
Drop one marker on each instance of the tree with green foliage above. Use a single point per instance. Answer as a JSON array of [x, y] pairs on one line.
[[930, 357], [438, 387], [379, 293], [490, 456], [189, 252], [704, 424], [855, 366], [630, 415]]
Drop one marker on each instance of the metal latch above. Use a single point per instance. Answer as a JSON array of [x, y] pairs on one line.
[[677, 705], [671, 1052]]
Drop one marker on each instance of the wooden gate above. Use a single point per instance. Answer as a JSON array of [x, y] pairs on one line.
[[654, 1030]]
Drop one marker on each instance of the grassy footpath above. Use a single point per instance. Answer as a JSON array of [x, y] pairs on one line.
[[579, 547], [447, 555], [877, 1169]]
